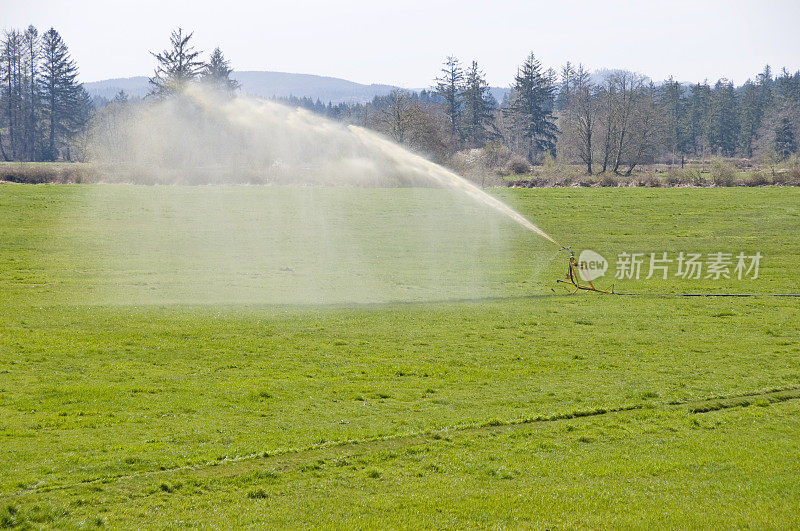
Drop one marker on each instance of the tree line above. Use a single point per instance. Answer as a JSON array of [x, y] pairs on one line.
[[42, 104], [626, 120], [44, 108], [611, 121]]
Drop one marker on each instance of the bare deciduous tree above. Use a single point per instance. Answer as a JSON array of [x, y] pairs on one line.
[[409, 122], [395, 115], [619, 96], [580, 117]]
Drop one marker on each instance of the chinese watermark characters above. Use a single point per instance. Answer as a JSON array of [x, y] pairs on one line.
[[684, 265]]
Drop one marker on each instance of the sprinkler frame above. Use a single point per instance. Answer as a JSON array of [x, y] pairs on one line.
[[573, 279]]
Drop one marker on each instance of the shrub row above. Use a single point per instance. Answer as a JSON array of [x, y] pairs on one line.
[[677, 178]]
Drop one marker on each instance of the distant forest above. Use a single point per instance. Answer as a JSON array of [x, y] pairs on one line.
[[42, 105], [607, 123]]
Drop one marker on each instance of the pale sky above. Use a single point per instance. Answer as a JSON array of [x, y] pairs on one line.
[[403, 42]]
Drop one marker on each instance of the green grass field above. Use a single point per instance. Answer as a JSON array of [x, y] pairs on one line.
[[221, 365]]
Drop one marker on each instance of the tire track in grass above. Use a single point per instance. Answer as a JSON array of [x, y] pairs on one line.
[[288, 457], [763, 399]]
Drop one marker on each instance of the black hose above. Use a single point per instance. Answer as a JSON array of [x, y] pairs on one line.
[[710, 294]]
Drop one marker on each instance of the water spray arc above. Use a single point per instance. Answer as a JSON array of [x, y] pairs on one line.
[[449, 179], [445, 178], [200, 137]]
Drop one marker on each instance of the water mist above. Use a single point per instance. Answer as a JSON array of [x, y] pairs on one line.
[[347, 215]]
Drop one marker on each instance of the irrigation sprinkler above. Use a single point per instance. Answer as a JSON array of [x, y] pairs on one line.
[[573, 277]]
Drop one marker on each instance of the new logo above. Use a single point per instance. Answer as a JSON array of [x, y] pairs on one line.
[[591, 265]]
